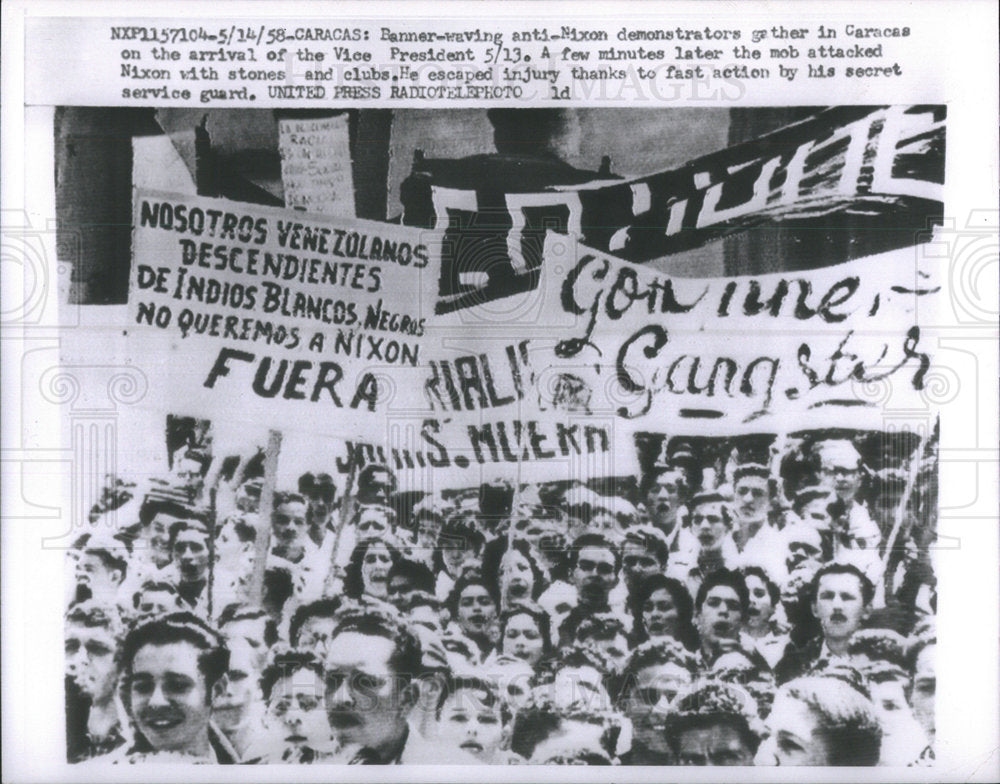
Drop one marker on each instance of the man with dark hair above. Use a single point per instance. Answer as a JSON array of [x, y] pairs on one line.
[[172, 667], [100, 571], [822, 721], [157, 515], [93, 634], [664, 493], [543, 731], [405, 577], [311, 627], [252, 624], [720, 609], [295, 720], [320, 492], [840, 596], [594, 565], [290, 527], [711, 524], [189, 569], [376, 485], [756, 539], [653, 676], [474, 608], [645, 552], [155, 597], [371, 667], [292, 546], [713, 725]]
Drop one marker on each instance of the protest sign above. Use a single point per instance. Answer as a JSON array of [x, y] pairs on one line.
[[275, 313], [694, 355], [316, 165], [876, 168]]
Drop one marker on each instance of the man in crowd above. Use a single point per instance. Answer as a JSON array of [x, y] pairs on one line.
[[100, 572], [757, 541], [93, 633], [296, 725], [664, 504], [155, 597], [711, 524], [594, 567], [189, 568], [172, 668], [320, 492], [371, 666], [473, 609], [713, 724], [645, 552], [292, 543], [652, 678], [720, 609], [311, 627], [252, 624], [841, 596], [237, 707], [841, 472], [822, 720]]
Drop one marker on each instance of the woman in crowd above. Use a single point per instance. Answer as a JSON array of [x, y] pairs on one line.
[[471, 717], [368, 570], [514, 570], [525, 633], [662, 608]]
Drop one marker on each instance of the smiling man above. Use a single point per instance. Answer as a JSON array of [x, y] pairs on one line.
[[172, 667]]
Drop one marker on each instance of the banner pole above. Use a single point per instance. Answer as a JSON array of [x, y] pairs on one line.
[[346, 505], [262, 542], [900, 515]]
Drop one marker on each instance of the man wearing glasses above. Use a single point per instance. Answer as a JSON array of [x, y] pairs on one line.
[[594, 566], [295, 720], [372, 668]]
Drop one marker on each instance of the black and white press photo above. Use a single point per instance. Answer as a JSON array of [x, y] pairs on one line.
[[505, 436]]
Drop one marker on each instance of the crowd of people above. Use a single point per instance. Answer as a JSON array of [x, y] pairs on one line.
[[721, 612]]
